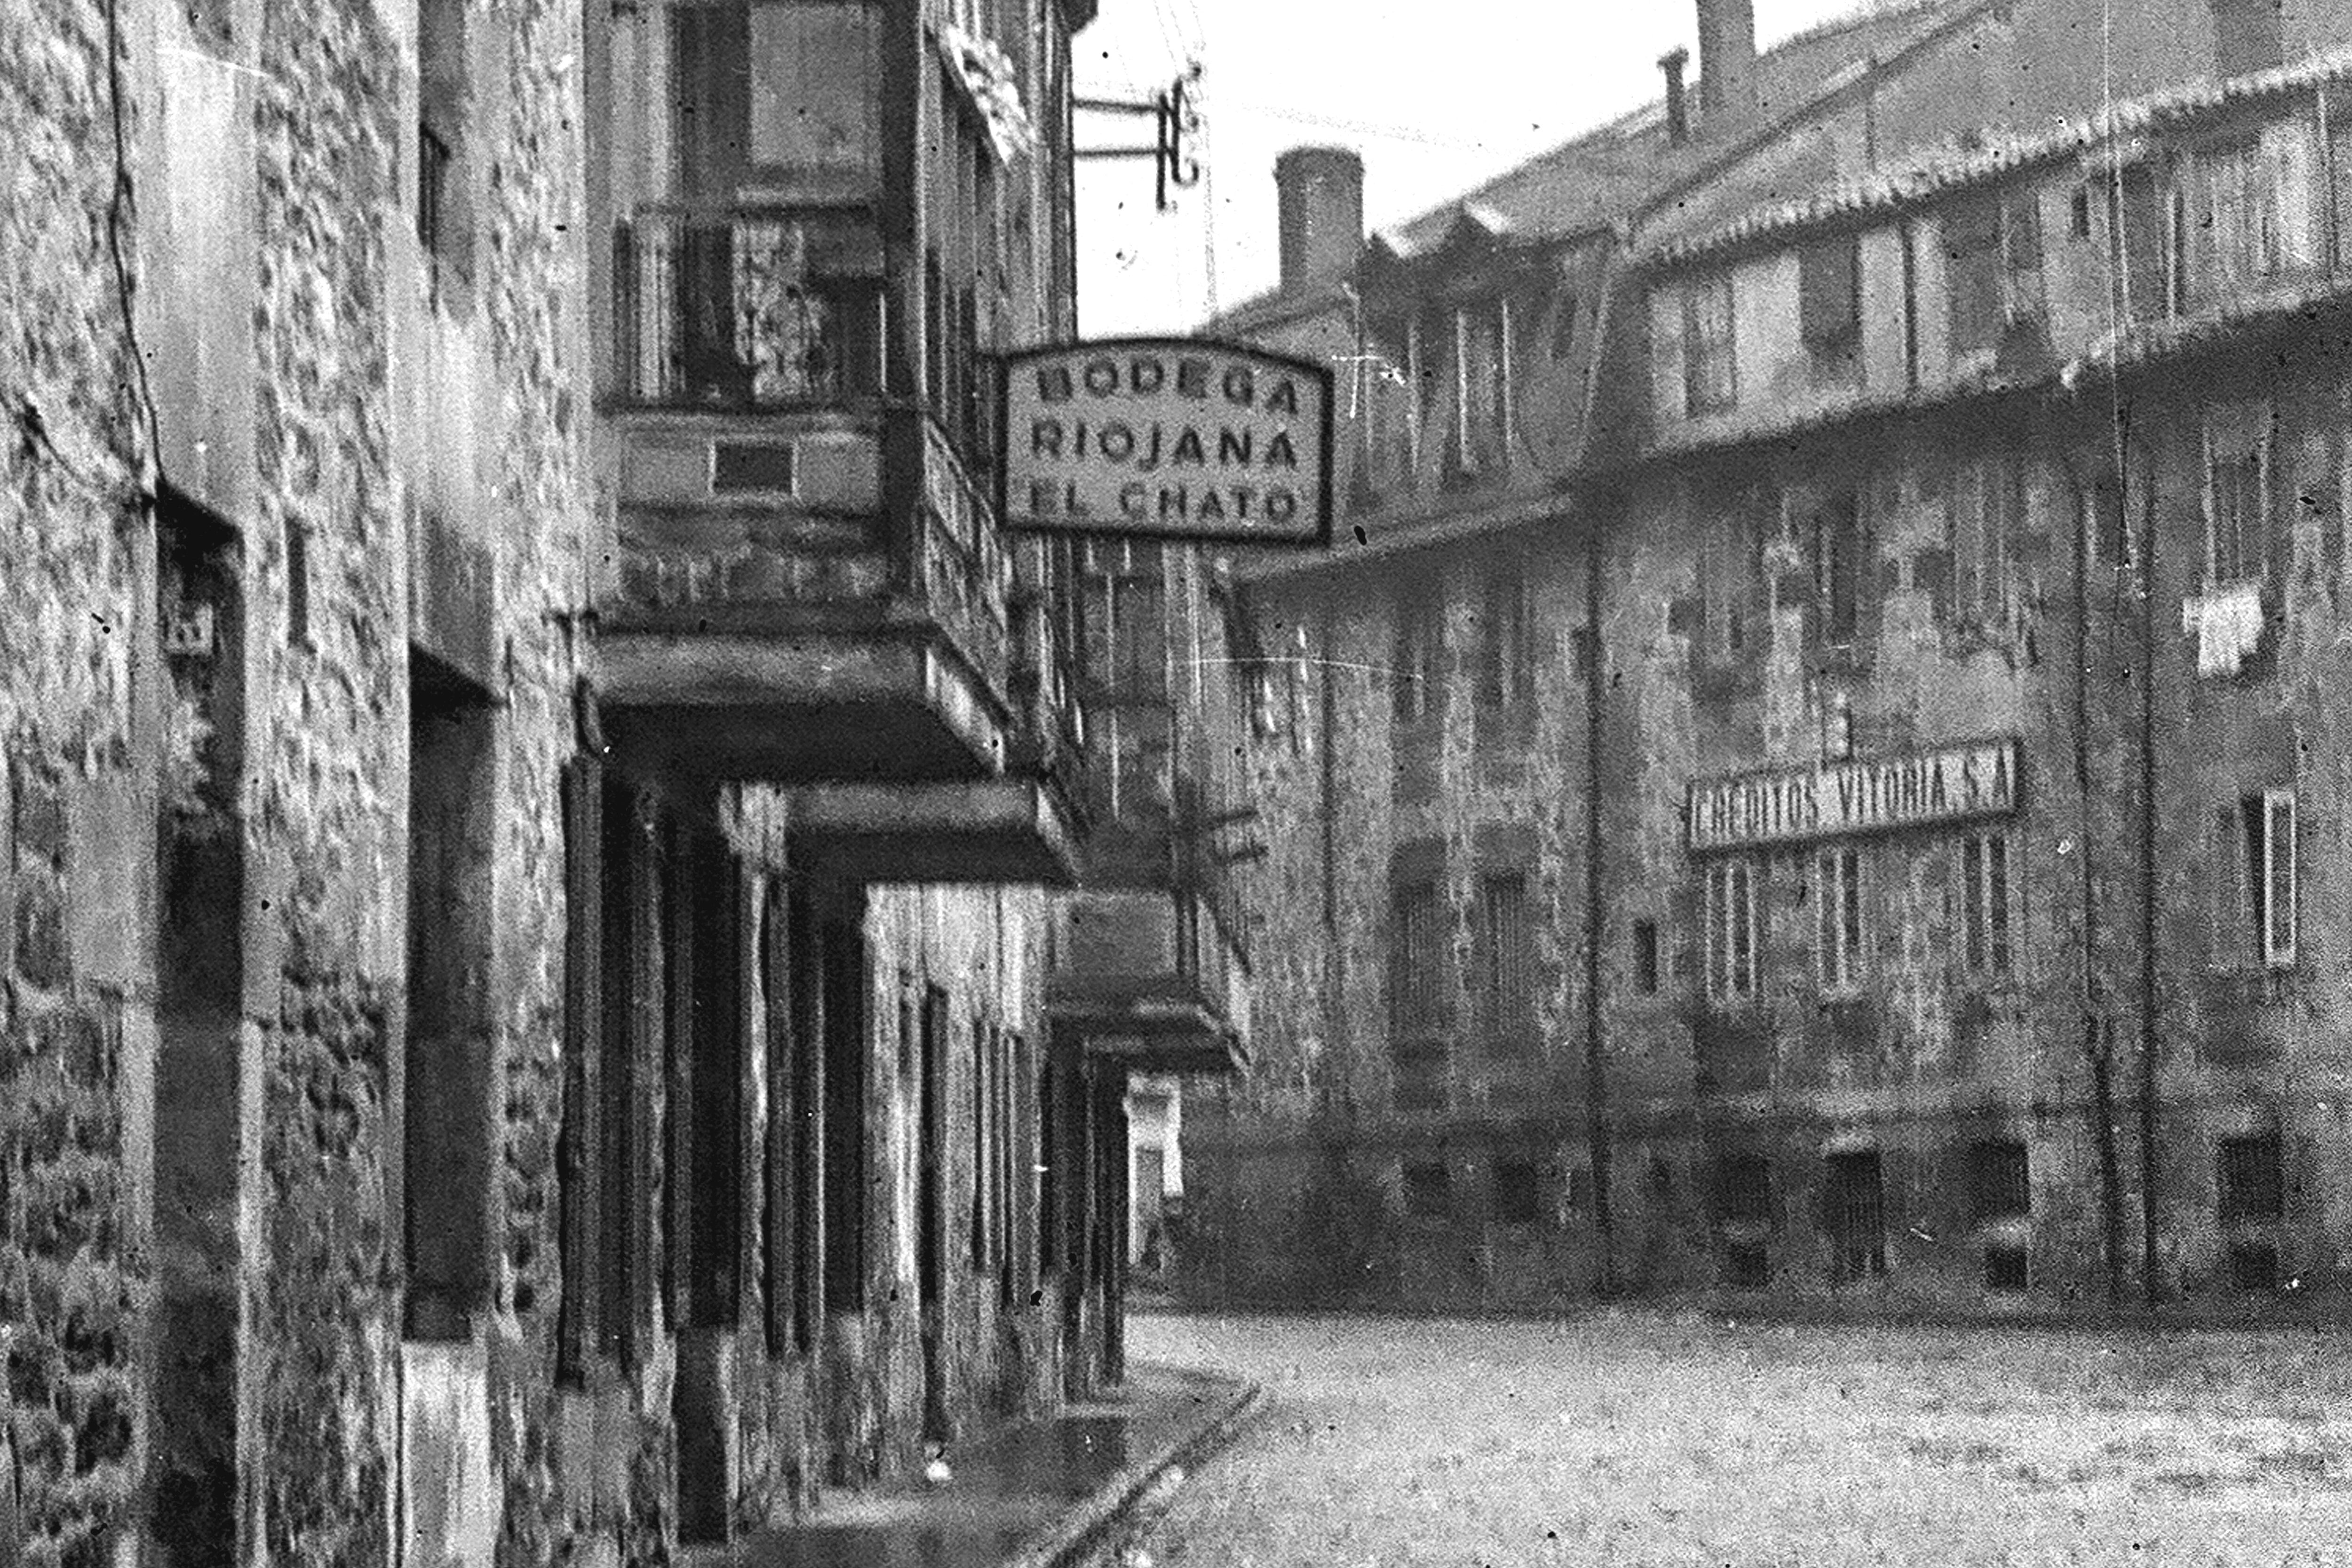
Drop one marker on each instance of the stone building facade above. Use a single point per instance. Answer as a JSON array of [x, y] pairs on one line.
[[1814, 781], [531, 1016]]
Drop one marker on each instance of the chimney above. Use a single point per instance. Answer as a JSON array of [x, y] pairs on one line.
[[1677, 108], [1727, 60], [1321, 193]]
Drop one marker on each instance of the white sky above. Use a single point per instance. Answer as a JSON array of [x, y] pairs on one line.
[[1435, 98]]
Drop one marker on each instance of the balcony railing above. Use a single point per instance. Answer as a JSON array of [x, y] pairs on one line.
[[750, 309]]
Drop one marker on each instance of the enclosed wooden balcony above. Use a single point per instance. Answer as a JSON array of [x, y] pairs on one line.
[[1152, 978], [803, 585]]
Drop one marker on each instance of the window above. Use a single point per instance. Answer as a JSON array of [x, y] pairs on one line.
[[2252, 1187], [1829, 306], [1645, 958], [1731, 573], [2258, 845], [1745, 1266], [813, 104], [1710, 369], [1132, 615], [1505, 963], [1506, 664], [1519, 1192], [1855, 1211], [1986, 511], [1839, 567], [1998, 1180], [1992, 248], [1563, 327], [2258, 218], [1839, 949], [1743, 1190], [1428, 1194], [1413, 677], [1420, 937], [2246, 36], [1481, 369], [1984, 946], [2237, 493], [1733, 930], [2005, 1268], [2078, 213]]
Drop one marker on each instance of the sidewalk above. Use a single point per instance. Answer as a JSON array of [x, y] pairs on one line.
[[1035, 1495]]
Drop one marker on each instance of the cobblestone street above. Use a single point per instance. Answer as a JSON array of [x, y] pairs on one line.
[[1638, 1438]]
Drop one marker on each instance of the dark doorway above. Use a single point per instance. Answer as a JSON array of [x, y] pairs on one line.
[[200, 845], [1856, 1215]]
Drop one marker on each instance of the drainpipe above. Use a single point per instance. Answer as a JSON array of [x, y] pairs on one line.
[[1595, 1075], [2150, 1284]]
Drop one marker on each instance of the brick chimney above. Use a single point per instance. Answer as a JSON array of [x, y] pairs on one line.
[[1321, 193], [1677, 106], [1727, 60]]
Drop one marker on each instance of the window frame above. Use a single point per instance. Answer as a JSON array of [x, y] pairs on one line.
[[2239, 441], [1835, 352], [1987, 505], [1710, 324], [1985, 872], [1504, 996], [1734, 944], [1842, 884], [1506, 658], [2266, 883]]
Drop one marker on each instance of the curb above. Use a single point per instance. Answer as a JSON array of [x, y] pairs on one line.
[[1087, 1526]]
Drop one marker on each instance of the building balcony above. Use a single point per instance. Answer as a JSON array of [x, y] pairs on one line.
[[805, 586], [1152, 978]]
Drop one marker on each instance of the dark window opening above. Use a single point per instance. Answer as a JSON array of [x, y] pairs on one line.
[[844, 1116], [1506, 947], [448, 1131], [1745, 1266], [2251, 1184], [1829, 286], [1839, 567], [1519, 1195], [581, 1157], [1645, 958], [1999, 1184], [1428, 1194], [2005, 1268], [2078, 214], [297, 586], [2253, 1266], [1856, 1218], [1506, 661], [1743, 1189]]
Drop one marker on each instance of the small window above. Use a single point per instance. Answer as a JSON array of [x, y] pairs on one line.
[[2078, 213], [2252, 1187], [1710, 367], [1506, 664], [2253, 1266], [1840, 571], [2262, 833], [1985, 910], [1829, 305], [1645, 958], [1580, 1189], [1998, 1183], [1733, 930], [1743, 1189], [1839, 947], [2005, 1271], [1745, 1266], [1984, 512], [1413, 676], [1506, 949], [2237, 494], [1517, 1193], [1428, 1192]]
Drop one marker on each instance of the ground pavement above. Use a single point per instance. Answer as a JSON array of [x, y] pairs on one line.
[[1623, 1437]]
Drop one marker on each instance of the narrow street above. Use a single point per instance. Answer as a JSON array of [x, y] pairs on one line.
[[1638, 1438]]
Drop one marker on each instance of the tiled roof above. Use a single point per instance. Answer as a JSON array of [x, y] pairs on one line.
[[1609, 173], [1955, 170]]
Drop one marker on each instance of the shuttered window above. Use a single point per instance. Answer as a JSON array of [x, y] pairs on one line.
[[1839, 917], [1505, 963], [1733, 930]]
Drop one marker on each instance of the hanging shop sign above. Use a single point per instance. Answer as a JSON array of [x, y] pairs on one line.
[[1168, 438], [1871, 795]]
